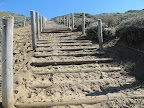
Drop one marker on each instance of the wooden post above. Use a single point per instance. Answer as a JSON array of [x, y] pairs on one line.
[[60, 20], [24, 21], [72, 21], [67, 21], [100, 36], [37, 24], [64, 20], [83, 23], [40, 23], [57, 20], [45, 20], [7, 62], [33, 29]]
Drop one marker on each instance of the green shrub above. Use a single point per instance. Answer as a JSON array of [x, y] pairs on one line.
[[110, 19], [137, 21], [108, 33], [78, 23], [131, 35], [131, 31]]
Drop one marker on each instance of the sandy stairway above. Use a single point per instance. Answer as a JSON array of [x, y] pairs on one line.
[[68, 70]]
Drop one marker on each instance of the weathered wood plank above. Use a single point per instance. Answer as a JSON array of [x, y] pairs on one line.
[[7, 61], [55, 30], [50, 104], [72, 49], [111, 69], [59, 39], [46, 42], [98, 99], [80, 54], [33, 29], [102, 60], [79, 44]]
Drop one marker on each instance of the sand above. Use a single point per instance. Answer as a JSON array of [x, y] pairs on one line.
[[71, 86]]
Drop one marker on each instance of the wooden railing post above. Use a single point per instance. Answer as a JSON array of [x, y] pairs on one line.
[[72, 21], [40, 23], [33, 29], [64, 20], [45, 20], [57, 20], [7, 62], [100, 36], [83, 23], [67, 20], [60, 20], [25, 22], [37, 24]]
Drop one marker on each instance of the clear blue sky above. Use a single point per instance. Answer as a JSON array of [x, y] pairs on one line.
[[53, 8]]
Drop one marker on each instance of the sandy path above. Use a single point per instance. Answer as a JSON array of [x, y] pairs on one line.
[[69, 86]]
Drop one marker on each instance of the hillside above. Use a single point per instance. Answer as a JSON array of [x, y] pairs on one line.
[[17, 17], [110, 19], [115, 25]]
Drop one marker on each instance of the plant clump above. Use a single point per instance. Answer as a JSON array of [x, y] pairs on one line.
[[131, 31]]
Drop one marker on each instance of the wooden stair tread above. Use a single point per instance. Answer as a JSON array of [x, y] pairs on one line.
[[66, 49], [111, 69], [46, 63], [74, 54], [95, 100]]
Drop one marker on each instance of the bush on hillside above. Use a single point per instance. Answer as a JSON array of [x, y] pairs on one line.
[[131, 31], [110, 19], [133, 22], [108, 33], [79, 24]]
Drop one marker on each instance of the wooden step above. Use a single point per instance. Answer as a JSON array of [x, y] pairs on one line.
[[95, 100], [60, 30], [79, 44], [75, 54], [60, 39], [109, 69], [71, 49], [47, 63], [46, 42]]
